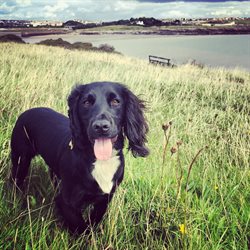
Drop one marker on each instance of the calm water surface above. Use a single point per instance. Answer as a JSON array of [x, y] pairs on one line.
[[220, 50]]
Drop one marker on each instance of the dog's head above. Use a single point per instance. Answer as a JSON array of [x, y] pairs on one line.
[[101, 113]]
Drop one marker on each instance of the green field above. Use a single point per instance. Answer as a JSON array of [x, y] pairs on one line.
[[241, 27], [192, 192]]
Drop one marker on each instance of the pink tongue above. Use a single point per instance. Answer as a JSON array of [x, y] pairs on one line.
[[103, 149]]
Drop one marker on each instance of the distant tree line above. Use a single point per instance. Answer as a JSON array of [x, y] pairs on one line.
[[141, 21]]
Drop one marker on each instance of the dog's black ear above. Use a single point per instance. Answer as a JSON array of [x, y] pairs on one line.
[[135, 125], [73, 102]]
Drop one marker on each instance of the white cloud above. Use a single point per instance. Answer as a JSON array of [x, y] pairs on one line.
[[60, 6], [176, 13], [52, 11], [125, 5], [232, 9], [23, 2], [5, 9], [226, 12], [118, 9]]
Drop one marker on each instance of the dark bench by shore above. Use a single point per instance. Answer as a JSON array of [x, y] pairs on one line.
[[159, 60]]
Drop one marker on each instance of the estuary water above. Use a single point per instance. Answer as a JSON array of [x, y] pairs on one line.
[[218, 50]]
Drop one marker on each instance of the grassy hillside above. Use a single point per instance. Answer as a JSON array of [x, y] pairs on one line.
[[192, 192]]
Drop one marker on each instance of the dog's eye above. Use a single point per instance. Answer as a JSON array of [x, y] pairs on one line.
[[86, 103], [114, 102]]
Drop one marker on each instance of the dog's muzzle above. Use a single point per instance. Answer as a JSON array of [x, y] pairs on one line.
[[104, 135]]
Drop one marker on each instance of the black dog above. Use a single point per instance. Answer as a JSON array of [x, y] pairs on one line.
[[84, 151]]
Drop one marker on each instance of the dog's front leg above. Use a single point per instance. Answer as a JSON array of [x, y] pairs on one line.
[[71, 216], [99, 210]]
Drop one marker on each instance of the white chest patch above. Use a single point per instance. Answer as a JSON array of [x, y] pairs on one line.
[[104, 171]]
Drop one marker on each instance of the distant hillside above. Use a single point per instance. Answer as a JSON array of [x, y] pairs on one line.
[[62, 43], [11, 38]]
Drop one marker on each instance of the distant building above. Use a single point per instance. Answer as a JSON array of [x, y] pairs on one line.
[[46, 23], [225, 24], [140, 23], [213, 24]]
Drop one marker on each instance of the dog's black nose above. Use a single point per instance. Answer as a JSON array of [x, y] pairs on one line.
[[101, 126]]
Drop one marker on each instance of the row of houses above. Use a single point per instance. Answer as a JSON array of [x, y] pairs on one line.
[[28, 24], [46, 23], [224, 21]]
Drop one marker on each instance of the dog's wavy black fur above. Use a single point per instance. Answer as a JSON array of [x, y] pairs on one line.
[[96, 110]]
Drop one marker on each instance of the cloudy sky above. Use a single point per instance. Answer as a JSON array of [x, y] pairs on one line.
[[119, 9]]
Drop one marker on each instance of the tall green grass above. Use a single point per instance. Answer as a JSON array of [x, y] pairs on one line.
[[192, 192]]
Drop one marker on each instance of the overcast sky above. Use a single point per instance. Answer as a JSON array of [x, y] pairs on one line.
[[108, 10]]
